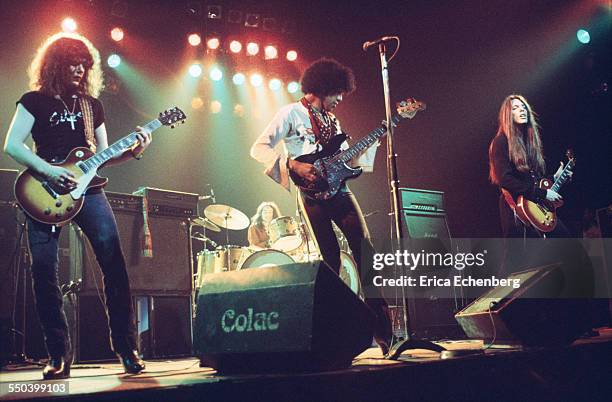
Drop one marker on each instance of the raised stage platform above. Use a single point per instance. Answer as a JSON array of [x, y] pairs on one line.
[[580, 372]]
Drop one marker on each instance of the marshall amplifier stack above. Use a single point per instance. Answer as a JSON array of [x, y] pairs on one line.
[[424, 218]]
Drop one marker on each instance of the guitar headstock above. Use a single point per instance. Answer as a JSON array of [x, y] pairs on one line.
[[571, 159], [170, 117], [408, 108]]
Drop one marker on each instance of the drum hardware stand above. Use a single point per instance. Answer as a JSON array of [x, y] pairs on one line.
[[397, 235]]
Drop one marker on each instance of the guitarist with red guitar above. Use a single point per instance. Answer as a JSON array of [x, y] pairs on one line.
[[516, 164], [319, 160], [63, 113]]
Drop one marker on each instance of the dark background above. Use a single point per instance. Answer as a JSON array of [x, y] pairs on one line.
[[460, 57]]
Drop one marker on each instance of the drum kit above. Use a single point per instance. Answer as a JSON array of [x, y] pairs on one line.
[[288, 239]]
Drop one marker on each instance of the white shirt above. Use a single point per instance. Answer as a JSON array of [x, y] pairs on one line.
[[292, 126]]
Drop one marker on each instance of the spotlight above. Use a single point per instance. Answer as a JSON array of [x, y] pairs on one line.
[[215, 74], [197, 103], [583, 36], [275, 84], [234, 17], [214, 12], [215, 107], [194, 8], [256, 80], [252, 20], [293, 87], [238, 110], [194, 39], [252, 48], [270, 52], [113, 61], [238, 78], [235, 46], [270, 24], [119, 9], [292, 55], [195, 70], [117, 34], [213, 43], [69, 25]]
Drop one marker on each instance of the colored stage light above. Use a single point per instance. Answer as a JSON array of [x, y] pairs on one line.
[[117, 34], [69, 25], [213, 43], [238, 78], [216, 74], [270, 52], [293, 87], [195, 70], [215, 107], [583, 36], [252, 48], [256, 80], [275, 84], [194, 39], [197, 103], [292, 55], [113, 61], [238, 110], [235, 46]]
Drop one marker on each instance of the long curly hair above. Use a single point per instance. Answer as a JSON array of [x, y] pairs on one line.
[[257, 219], [50, 69], [526, 155], [326, 77]]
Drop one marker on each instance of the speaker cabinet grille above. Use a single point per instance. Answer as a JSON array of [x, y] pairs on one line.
[[168, 271]]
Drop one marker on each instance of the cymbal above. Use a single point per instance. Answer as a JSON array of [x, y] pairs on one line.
[[227, 217], [206, 223]]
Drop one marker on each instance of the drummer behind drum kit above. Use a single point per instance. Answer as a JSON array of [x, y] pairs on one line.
[[289, 245]]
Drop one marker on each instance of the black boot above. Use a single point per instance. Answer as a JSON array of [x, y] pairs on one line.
[[132, 363], [57, 368]]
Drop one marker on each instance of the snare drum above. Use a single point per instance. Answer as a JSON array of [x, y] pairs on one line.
[[266, 258], [284, 234]]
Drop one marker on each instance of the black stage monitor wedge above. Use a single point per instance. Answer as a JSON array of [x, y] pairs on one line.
[[298, 317], [526, 315]]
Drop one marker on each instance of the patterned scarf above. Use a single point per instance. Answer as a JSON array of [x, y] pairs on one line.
[[323, 123]]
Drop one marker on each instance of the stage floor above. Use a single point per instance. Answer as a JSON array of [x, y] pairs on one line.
[[581, 371]]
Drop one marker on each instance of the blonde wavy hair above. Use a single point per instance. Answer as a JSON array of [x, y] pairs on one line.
[[50, 69]]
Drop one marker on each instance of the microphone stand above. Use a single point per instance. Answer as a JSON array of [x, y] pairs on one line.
[[409, 342]]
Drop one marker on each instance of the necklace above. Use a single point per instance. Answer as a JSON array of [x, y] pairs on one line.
[[71, 116]]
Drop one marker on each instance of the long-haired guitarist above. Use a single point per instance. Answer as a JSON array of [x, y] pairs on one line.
[[304, 127], [516, 163], [62, 112]]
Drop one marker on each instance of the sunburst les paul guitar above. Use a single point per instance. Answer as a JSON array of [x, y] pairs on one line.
[[331, 163], [51, 204], [542, 215]]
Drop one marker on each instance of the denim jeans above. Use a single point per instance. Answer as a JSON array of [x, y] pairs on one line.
[[97, 221]]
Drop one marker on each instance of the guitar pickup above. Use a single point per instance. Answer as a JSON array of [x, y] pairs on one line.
[[49, 190]]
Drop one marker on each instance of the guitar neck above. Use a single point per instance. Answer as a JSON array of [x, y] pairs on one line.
[[118, 147], [367, 141], [565, 174]]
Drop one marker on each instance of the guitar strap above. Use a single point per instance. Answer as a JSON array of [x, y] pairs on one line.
[[88, 121]]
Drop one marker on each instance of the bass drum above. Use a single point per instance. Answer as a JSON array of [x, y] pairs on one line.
[[350, 274], [266, 258]]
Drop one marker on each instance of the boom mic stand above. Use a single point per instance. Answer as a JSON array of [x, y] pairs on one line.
[[408, 343]]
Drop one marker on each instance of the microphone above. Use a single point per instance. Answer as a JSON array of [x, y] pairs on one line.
[[368, 44], [212, 194]]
